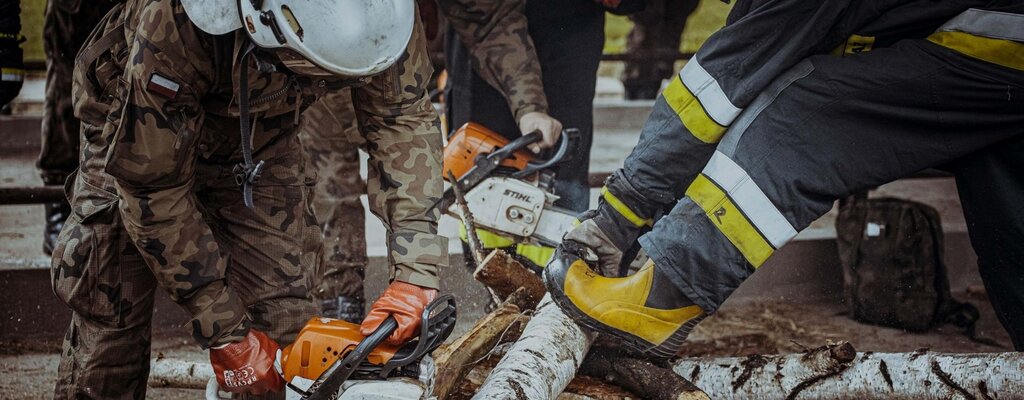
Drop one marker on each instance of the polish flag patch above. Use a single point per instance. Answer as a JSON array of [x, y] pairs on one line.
[[162, 86]]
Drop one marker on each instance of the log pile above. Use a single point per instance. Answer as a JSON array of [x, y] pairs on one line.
[[546, 354], [526, 348]]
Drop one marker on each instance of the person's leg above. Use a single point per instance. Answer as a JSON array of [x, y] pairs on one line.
[[828, 127], [569, 50], [272, 264], [66, 26], [825, 129], [103, 279], [331, 139], [991, 186]]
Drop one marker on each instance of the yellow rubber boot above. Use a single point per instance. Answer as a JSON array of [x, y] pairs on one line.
[[644, 310]]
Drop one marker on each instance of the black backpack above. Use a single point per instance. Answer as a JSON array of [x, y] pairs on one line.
[[893, 272]]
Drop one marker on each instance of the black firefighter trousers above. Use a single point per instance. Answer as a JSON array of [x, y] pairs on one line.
[[829, 127]]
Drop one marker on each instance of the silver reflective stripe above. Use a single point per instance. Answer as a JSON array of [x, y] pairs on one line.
[[710, 94], [990, 24], [12, 75], [749, 198]]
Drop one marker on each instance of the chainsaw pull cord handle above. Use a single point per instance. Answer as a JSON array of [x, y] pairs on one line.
[[566, 142]]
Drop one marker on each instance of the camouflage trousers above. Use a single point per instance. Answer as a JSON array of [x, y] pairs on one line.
[[331, 139], [100, 274], [66, 26]]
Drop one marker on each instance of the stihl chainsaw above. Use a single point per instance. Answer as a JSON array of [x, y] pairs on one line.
[[507, 189], [331, 360]]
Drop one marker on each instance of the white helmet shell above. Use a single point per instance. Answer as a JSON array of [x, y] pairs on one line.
[[352, 38], [215, 17]]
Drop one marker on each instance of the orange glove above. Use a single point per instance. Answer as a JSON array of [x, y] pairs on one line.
[[405, 302], [247, 366]]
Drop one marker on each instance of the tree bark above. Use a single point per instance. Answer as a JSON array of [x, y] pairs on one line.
[[169, 372], [542, 362], [504, 275], [647, 380], [453, 361], [837, 372]]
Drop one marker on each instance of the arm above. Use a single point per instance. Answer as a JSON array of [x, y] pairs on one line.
[[495, 33], [153, 158], [403, 136]]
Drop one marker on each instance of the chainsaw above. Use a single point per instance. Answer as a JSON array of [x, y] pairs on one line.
[[331, 360], [507, 188]]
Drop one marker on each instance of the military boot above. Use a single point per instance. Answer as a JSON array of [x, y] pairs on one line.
[[649, 315], [347, 308], [56, 215]]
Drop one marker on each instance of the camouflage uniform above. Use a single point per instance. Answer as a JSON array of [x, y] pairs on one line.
[[155, 203], [331, 138], [66, 26]]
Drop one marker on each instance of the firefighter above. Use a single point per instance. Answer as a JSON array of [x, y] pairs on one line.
[[761, 132], [193, 181]]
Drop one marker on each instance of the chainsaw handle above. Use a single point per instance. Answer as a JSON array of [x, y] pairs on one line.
[[213, 391], [520, 142], [567, 141]]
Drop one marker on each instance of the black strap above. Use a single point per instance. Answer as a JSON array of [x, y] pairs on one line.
[[247, 173], [102, 45]]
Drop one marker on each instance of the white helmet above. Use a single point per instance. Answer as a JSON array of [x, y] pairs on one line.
[[352, 38]]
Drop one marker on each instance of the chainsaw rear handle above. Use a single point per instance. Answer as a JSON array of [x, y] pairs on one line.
[[566, 142], [438, 323]]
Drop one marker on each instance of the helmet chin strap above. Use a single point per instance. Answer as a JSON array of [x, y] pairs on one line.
[[247, 173]]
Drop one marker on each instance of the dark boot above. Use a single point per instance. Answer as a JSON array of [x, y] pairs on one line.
[[56, 214]]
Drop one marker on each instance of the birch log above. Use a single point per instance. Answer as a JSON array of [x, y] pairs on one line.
[[542, 362], [843, 374], [454, 360], [169, 372]]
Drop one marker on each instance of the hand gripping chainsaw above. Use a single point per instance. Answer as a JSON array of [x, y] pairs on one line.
[[508, 190]]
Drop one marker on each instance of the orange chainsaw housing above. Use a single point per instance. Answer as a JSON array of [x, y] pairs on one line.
[[472, 140], [321, 342]]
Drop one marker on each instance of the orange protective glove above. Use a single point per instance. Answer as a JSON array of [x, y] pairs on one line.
[[247, 366], [405, 302]]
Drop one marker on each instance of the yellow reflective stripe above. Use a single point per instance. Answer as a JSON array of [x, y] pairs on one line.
[[744, 192], [623, 209], [12, 74], [728, 218], [858, 44], [691, 113], [537, 254], [488, 239], [1003, 52]]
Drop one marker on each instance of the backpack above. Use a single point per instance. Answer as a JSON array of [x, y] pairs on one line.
[[894, 275]]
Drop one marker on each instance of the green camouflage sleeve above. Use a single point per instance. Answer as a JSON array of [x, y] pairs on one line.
[[495, 33], [403, 135], [153, 158]]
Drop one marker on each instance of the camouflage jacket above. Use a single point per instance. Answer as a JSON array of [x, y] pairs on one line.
[[166, 97], [496, 36]]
